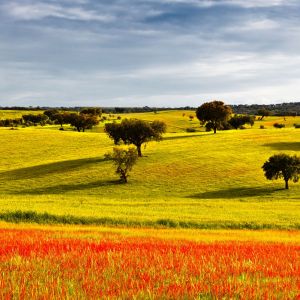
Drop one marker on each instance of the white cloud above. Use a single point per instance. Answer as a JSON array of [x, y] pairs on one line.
[[40, 11], [241, 3]]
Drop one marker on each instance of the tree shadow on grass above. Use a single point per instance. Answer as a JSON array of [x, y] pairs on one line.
[[293, 146], [185, 136], [234, 193], [64, 188], [50, 168]]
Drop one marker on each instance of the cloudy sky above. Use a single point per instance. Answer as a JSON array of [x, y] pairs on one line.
[[148, 52]]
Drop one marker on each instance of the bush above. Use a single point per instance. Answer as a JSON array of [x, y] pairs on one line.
[[279, 125], [225, 126], [262, 127], [297, 125], [190, 129]]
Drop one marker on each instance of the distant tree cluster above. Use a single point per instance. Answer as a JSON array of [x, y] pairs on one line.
[[282, 109], [11, 122], [33, 119], [216, 115], [86, 119]]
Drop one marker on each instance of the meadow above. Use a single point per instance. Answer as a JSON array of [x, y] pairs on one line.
[[197, 219], [195, 179]]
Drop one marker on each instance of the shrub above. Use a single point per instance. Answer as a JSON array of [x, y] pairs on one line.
[[262, 127], [297, 125], [124, 159], [279, 125]]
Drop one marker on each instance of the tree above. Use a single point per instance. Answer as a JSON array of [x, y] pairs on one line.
[[282, 166], [263, 112], [82, 121], [124, 159], [136, 132], [214, 113], [35, 119]]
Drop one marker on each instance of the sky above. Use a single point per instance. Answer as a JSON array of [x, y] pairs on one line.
[[163, 53]]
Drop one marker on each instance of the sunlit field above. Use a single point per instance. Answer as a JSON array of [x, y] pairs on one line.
[[197, 179]]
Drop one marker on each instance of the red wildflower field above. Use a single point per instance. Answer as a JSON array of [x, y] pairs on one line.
[[46, 264]]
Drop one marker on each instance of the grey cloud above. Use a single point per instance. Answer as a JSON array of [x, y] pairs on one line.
[[154, 52]]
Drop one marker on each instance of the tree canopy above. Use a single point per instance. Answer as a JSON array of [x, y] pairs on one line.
[[214, 113], [136, 132], [282, 166]]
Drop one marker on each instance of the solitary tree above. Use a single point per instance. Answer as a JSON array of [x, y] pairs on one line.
[[263, 112], [214, 113], [124, 159], [282, 166], [136, 132]]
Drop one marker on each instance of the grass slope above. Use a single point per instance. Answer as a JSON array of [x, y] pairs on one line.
[[196, 180]]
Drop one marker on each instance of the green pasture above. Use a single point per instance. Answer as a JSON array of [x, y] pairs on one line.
[[15, 114], [193, 179]]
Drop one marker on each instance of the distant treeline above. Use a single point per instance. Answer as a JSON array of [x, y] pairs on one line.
[[117, 110], [282, 109]]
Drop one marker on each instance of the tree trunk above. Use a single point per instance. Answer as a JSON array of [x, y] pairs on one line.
[[139, 150], [215, 129], [78, 129], [286, 184], [123, 176]]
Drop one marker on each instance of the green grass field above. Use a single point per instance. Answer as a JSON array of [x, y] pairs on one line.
[[197, 179]]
